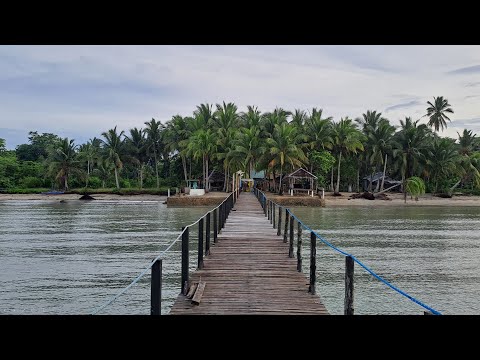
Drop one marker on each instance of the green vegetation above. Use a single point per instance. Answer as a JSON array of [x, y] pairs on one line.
[[164, 155]]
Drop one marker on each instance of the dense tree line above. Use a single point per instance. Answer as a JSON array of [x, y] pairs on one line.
[[339, 152]]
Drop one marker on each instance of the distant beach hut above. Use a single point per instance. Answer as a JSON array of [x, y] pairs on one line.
[[302, 181]]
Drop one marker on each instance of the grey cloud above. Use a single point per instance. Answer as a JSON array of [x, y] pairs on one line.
[[466, 70], [471, 96], [403, 105], [472, 84]]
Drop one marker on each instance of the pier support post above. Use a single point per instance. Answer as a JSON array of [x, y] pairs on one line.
[[286, 226], [184, 281], [200, 244], [279, 230], [215, 225], [349, 267], [313, 263], [207, 235], [290, 248], [156, 288], [299, 247]]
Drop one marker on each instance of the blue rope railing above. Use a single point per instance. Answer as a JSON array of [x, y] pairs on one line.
[[370, 271]]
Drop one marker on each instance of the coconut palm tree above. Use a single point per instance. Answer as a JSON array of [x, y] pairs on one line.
[[251, 118], [113, 143], [153, 131], [202, 145], [298, 118], [176, 139], [284, 149], [436, 113], [415, 187], [136, 145], [104, 169], [64, 162], [380, 141], [90, 152], [466, 141], [443, 160], [410, 145], [346, 139], [246, 146]]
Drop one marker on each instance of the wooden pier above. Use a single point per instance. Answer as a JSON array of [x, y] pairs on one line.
[[249, 271]]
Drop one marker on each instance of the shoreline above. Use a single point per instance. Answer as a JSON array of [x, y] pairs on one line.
[[396, 199]]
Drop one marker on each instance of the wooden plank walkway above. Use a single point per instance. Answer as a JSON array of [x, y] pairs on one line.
[[248, 271]]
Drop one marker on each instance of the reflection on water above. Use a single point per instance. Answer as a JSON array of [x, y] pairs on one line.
[[69, 258], [430, 252]]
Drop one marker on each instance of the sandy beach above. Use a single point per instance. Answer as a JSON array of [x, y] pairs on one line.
[[396, 199]]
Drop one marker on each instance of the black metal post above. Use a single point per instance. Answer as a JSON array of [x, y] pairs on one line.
[[215, 225], [286, 226], [349, 267], [156, 288], [207, 236], [299, 247], [313, 262], [200, 244], [279, 230], [184, 283], [290, 248]]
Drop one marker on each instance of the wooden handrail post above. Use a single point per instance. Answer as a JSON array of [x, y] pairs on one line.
[[279, 230], [299, 247], [349, 267], [268, 209], [273, 215], [290, 248], [207, 236], [215, 225], [313, 263], [156, 288], [287, 215], [184, 283], [200, 244]]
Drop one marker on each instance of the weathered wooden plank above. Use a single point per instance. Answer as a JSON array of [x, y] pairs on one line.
[[198, 293], [248, 271]]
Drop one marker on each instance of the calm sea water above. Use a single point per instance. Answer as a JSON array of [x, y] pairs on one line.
[[69, 258], [432, 253]]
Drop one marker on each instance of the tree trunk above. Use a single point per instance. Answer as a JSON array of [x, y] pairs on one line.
[[337, 190], [116, 178], [103, 184], [203, 170], [450, 192], [207, 183], [331, 180], [184, 164], [66, 183], [156, 167], [280, 187], [88, 172], [384, 170], [358, 179], [190, 173], [141, 176], [273, 173], [370, 183]]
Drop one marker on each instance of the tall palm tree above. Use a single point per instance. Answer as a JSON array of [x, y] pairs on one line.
[[284, 149], [346, 139], [251, 118], [153, 131], [136, 144], [410, 146], [2, 145], [436, 113], [443, 160], [246, 146], [380, 140], [176, 139], [64, 162], [90, 152], [298, 118], [466, 141], [369, 119], [104, 169], [113, 143], [202, 145]]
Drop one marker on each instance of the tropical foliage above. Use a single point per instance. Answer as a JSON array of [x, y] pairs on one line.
[[220, 137]]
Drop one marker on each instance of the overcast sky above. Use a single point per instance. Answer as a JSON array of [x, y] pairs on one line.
[[81, 91]]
